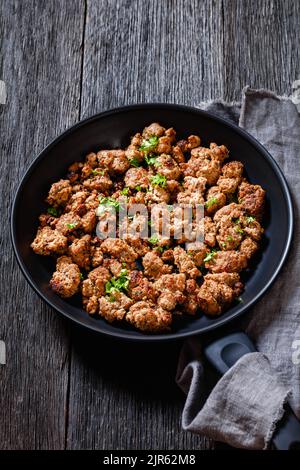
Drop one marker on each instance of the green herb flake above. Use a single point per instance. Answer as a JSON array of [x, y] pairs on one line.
[[98, 172], [118, 283], [125, 191], [138, 188], [134, 162], [152, 160], [81, 276], [239, 300], [236, 220], [211, 202], [149, 144], [52, 211], [153, 240], [71, 226], [239, 230], [229, 238], [158, 180], [210, 256], [109, 201], [250, 220]]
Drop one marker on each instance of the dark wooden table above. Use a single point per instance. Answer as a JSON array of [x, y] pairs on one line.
[[63, 61]]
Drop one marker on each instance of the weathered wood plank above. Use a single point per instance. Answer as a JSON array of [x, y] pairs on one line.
[[261, 45], [40, 59], [124, 396]]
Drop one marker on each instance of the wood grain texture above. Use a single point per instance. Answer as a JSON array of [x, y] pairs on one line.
[[65, 60], [40, 55], [261, 45]]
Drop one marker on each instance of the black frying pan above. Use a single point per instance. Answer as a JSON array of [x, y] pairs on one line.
[[113, 129]]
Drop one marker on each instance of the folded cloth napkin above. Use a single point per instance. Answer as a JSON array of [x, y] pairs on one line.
[[245, 405]]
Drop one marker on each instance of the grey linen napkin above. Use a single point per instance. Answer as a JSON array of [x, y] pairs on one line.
[[245, 405]]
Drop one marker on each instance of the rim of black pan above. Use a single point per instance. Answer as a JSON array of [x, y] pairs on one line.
[[172, 335]]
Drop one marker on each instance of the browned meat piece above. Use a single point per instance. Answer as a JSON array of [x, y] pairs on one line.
[[146, 316], [140, 288], [114, 307], [47, 219], [119, 249], [113, 265], [203, 166], [194, 189], [133, 151], [168, 167], [140, 246], [68, 223], [88, 221], [252, 227], [97, 256], [153, 129], [101, 183], [114, 161], [229, 229], [93, 288], [226, 262], [171, 288], [252, 199], [59, 193], [178, 154], [49, 242], [215, 152], [66, 279], [202, 231], [157, 195], [233, 210], [190, 306], [76, 201], [248, 247], [185, 263], [217, 292], [198, 253], [79, 251], [137, 177], [92, 160], [231, 177], [154, 267], [215, 199]]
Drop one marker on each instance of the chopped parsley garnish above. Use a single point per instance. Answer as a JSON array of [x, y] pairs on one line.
[[149, 144], [236, 220], [250, 219], [153, 240], [125, 191], [109, 201], [134, 162], [73, 225], [211, 202], [229, 238], [118, 283], [151, 160], [138, 188], [52, 211], [158, 180], [223, 245], [239, 230], [210, 256], [81, 276], [98, 172]]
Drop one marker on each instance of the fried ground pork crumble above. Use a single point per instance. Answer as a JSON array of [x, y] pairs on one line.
[[147, 282]]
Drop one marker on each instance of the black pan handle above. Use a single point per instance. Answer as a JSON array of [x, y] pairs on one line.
[[223, 353]]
